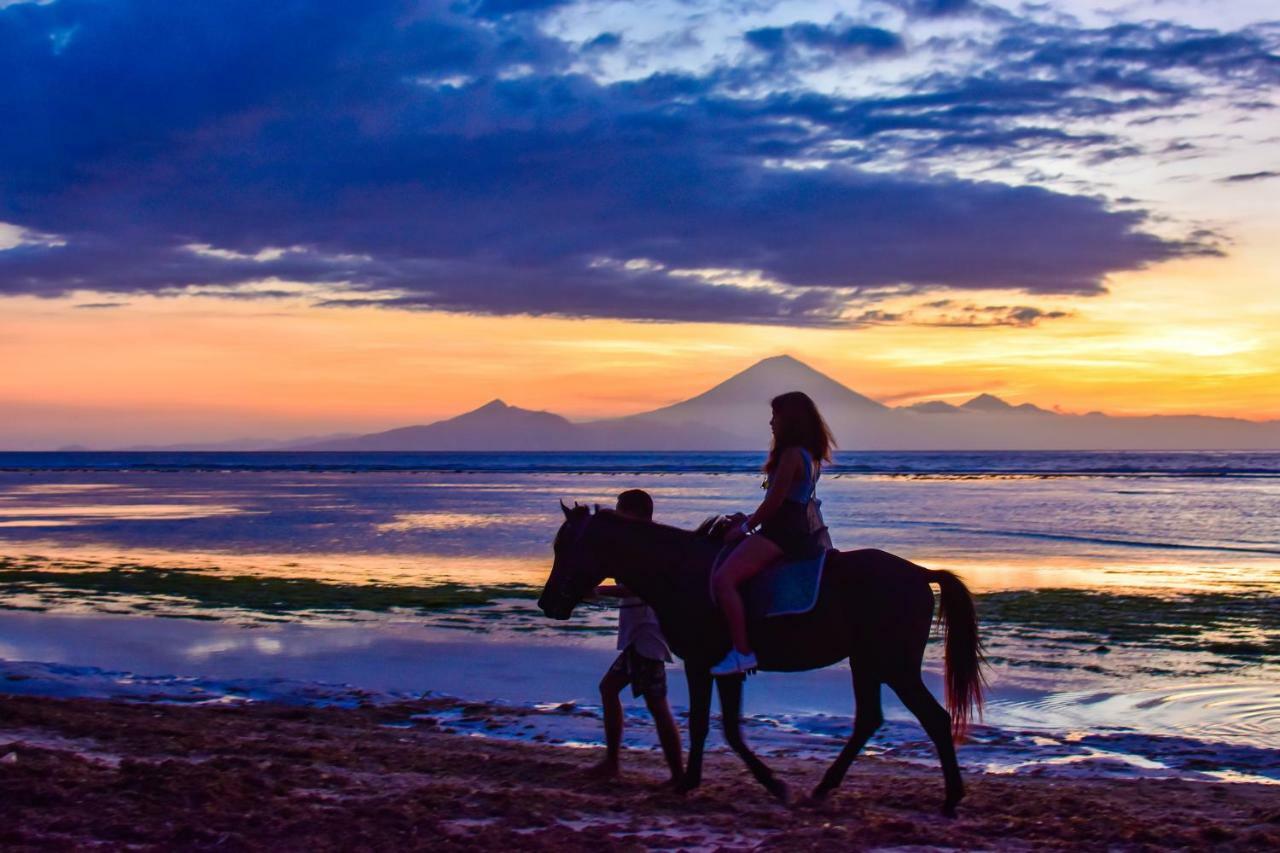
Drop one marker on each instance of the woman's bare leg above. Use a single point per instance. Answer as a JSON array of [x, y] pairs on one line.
[[753, 555]]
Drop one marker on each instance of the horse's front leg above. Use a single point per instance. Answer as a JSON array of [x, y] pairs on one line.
[[699, 724], [731, 714]]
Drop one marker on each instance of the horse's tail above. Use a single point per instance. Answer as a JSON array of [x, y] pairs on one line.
[[963, 655]]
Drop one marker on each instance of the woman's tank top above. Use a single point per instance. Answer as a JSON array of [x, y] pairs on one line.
[[788, 527], [803, 490]]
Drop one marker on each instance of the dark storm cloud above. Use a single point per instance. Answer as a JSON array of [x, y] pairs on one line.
[[604, 41], [937, 8], [1133, 57], [423, 157], [1036, 80], [947, 313], [502, 8], [624, 294], [854, 41], [1249, 177]]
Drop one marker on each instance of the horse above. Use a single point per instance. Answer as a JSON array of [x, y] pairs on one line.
[[873, 608]]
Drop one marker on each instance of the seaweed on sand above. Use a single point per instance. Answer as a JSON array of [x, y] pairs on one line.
[[195, 587], [1234, 624]]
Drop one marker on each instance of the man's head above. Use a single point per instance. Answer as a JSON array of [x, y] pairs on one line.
[[636, 503]]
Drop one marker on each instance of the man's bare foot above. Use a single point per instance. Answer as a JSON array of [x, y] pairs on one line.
[[606, 769]]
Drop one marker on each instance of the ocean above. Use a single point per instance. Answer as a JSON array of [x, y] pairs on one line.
[[1130, 602]]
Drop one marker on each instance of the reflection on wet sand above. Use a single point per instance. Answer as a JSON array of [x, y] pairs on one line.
[[454, 521], [63, 488], [981, 575], [338, 568], [38, 522], [75, 514]]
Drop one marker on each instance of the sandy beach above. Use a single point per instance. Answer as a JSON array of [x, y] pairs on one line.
[[79, 773]]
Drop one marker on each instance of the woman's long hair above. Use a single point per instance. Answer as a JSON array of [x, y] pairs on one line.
[[799, 424]]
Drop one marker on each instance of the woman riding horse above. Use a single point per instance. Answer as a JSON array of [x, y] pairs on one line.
[[801, 443]]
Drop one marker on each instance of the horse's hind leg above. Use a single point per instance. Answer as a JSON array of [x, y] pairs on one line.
[[699, 724], [731, 715], [937, 724], [866, 695]]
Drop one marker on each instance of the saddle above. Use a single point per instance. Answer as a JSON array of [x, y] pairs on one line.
[[788, 588]]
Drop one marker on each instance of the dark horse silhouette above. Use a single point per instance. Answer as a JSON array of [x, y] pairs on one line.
[[874, 609]]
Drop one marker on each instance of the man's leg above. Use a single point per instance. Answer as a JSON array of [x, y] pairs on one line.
[[668, 734], [650, 678], [610, 687]]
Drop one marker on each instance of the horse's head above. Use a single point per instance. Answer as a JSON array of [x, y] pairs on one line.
[[577, 567]]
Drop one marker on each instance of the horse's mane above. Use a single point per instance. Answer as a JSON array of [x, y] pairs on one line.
[[712, 528]]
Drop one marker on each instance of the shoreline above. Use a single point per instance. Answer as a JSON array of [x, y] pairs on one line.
[[557, 706], [1077, 722], [77, 772]]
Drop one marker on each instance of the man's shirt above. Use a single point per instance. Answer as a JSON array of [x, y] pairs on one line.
[[638, 625]]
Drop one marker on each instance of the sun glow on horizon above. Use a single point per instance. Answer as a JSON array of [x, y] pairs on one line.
[[201, 368]]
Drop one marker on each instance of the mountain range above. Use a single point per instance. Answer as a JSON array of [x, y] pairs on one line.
[[734, 415]]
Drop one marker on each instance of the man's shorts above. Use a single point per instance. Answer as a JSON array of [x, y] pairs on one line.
[[647, 677]]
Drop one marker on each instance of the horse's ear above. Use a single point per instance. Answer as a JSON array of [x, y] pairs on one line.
[[597, 508], [564, 509]]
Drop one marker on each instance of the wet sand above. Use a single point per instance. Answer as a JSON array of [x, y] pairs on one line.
[[82, 772]]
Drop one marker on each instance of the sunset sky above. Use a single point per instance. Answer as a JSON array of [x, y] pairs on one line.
[[237, 218]]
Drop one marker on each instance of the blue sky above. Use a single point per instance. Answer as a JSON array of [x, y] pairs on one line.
[[749, 162]]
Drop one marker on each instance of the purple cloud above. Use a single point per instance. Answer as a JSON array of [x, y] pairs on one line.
[[840, 41], [431, 158]]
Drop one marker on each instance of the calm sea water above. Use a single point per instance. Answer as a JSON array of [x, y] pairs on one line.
[[1120, 593], [1189, 513], [1249, 464]]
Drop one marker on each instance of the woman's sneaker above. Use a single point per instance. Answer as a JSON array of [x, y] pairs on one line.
[[734, 663]]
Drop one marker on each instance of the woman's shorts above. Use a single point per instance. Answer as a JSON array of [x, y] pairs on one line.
[[789, 530]]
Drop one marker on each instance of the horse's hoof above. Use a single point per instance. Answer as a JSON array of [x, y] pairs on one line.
[[780, 791], [948, 809], [819, 794], [815, 799], [686, 786]]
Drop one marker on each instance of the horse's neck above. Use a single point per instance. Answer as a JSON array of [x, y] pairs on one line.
[[661, 565]]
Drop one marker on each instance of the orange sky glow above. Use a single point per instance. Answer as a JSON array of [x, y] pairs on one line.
[[1170, 340]]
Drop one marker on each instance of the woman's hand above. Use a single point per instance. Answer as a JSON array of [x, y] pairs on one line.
[[738, 530]]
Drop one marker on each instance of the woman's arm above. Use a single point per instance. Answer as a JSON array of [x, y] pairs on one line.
[[780, 482]]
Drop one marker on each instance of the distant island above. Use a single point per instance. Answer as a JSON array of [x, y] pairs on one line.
[[734, 415]]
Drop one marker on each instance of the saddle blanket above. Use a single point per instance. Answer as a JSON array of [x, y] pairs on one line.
[[787, 589]]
